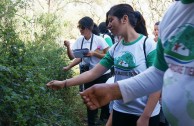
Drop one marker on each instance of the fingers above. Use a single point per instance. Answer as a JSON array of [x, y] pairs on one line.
[[66, 43], [50, 84], [66, 68], [91, 106], [89, 103], [88, 99]]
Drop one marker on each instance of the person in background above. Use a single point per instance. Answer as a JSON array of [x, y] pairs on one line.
[[95, 31], [128, 59], [104, 32], [173, 70], [163, 121], [92, 42], [109, 38], [155, 32]]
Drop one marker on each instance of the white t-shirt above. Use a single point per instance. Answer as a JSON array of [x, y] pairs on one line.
[[98, 42], [129, 60], [175, 58]]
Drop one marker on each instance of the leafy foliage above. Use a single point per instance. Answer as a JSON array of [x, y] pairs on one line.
[[25, 67]]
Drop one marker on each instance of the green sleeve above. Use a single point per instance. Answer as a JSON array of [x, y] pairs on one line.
[[187, 1], [159, 61], [150, 58], [107, 61], [109, 41]]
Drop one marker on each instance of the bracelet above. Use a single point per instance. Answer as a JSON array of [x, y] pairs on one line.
[[65, 85]]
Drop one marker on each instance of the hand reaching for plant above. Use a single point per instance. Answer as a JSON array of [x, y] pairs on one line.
[[56, 85]]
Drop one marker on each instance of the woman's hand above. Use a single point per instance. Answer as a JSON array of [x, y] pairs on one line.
[[66, 43], [66, 68], [143, 121], [56, 85], [90, 54]]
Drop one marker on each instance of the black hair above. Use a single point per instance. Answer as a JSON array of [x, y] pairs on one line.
[[135, 18], [95, 30], [86, 22], [103, 28], [157, 23], [140, 26]]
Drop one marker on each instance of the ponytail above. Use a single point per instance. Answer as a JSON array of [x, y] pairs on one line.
[[140, 26]]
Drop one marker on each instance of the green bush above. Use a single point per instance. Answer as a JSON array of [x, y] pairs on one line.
[[25, 68]]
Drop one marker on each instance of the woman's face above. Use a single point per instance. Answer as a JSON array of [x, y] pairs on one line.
[[155, 30], [82, 29], [114, 25]]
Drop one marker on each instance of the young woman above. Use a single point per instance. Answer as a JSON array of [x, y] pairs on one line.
[[173, 70], [104, 32], [129, 58], [91, 41]]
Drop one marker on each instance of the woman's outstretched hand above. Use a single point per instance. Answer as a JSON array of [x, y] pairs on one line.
[[55, 84], [100, 95]]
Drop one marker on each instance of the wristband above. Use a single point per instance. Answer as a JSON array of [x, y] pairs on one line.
[[65, 85]]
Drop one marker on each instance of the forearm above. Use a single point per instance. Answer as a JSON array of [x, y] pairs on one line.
[[151, 104], [98, 55], [70, 53], [87, 76], [114, 91], [142, 84], [75, 62]]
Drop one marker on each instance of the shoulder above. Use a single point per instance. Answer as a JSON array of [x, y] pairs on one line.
[[148, 40], [99, 38], [106, 36], [116, 46], [77, 43], [80, 38], [148, 43]]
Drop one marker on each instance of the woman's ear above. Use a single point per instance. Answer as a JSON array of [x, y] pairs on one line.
[[124, 19]]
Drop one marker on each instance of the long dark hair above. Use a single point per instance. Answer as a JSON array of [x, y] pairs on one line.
[[135, 18]]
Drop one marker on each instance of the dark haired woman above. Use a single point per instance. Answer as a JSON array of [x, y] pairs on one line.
[[104, 32], [90, 39], [173, 70], [129, 58]]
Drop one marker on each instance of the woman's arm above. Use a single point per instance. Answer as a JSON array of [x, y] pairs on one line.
[[85, 77], [140, 85], [76, 61], [98, 54], [151, 104], [69, 51], [149, 81]]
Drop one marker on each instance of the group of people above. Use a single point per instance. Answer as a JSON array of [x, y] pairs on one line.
[[142, 71]]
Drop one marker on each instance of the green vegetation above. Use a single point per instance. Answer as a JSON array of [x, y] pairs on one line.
[[31, 55], [25, 68]]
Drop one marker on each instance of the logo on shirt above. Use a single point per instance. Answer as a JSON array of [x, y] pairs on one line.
[[180, 47], [125, 61]]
